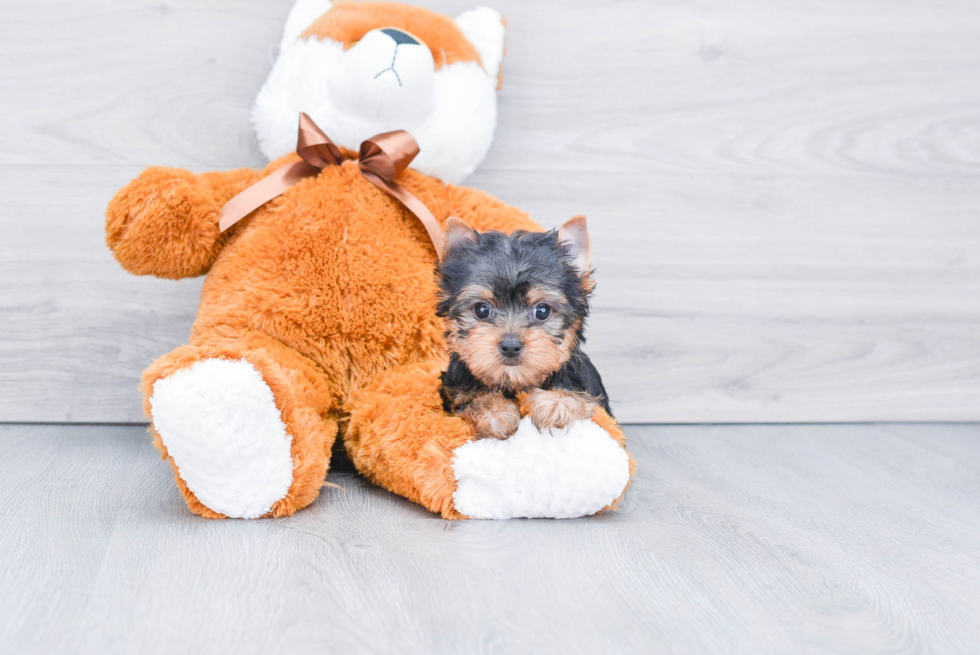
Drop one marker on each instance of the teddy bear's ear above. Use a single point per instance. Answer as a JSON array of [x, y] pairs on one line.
[[302, 15], [574, 235], [484, 28], [458, 234]]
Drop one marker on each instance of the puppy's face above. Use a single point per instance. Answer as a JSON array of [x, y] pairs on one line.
[[515, 305]]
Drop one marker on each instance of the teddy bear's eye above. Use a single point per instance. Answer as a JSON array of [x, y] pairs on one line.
[[481, 310], [542, 311]]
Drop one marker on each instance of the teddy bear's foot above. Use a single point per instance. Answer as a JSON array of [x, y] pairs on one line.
[[564, 473], [400, 437], [247, 425], [220, 424]]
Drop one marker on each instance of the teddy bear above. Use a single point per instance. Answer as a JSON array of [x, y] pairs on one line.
[[317, 318]]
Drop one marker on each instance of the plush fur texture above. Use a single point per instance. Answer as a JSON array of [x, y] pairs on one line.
[[245, 465], [356, 81], [305, 399], [348, 22], [303, 14], [500, 480], [326, 295]]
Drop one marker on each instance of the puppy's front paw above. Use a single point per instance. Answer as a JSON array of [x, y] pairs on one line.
[[556, 409], [492, 416]]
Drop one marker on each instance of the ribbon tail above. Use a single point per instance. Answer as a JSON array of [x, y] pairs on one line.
[[413, 204], [269, 187]]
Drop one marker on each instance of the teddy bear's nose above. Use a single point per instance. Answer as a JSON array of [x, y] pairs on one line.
[[400, 37], [386, 79]]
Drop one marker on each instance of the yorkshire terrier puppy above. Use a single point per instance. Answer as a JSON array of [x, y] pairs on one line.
[[515, 309]]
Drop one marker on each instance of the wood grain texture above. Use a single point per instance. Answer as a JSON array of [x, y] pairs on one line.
[[733, 539], [783, 195]]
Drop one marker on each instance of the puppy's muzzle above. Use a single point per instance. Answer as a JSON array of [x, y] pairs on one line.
[[511, 348]]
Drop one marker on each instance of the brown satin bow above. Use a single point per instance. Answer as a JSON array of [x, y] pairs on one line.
[[383, 157]]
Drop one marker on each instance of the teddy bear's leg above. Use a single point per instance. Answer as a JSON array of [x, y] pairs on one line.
[[248, 427], [400, 437]]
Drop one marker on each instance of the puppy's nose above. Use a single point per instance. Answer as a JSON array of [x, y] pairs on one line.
[[400, 36], [511, 346]]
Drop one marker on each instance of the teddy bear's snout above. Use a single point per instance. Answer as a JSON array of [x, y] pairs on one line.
[[389, 76]]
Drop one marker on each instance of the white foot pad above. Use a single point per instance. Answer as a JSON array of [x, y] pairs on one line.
[[570, 473], [220, 423]]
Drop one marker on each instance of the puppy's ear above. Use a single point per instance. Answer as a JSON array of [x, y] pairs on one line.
[[574, 235], [458, 235]]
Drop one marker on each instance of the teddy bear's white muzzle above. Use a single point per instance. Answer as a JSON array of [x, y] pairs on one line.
[[386, 77]]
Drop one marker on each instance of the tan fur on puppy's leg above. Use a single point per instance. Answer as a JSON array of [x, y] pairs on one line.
[[556, 409], [491, 415]]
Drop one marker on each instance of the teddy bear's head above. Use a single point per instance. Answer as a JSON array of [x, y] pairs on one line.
[[361, 68]]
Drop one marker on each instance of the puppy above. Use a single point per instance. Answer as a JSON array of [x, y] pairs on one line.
[[515, 309]]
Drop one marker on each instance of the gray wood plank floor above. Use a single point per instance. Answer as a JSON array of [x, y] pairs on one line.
[[751, 539], [783, 194]]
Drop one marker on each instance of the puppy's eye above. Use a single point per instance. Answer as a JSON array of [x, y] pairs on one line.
[[481, 310], [542, 311]]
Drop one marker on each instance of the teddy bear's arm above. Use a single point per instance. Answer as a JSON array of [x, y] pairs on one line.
[[165, 222], [484, 212]]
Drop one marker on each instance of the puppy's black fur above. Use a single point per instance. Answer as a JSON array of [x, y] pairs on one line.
[[510, 271]]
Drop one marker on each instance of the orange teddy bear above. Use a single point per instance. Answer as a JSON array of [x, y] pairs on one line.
[[317, 317]]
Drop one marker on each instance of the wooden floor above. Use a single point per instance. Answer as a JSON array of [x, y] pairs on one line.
[[858, 539]]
